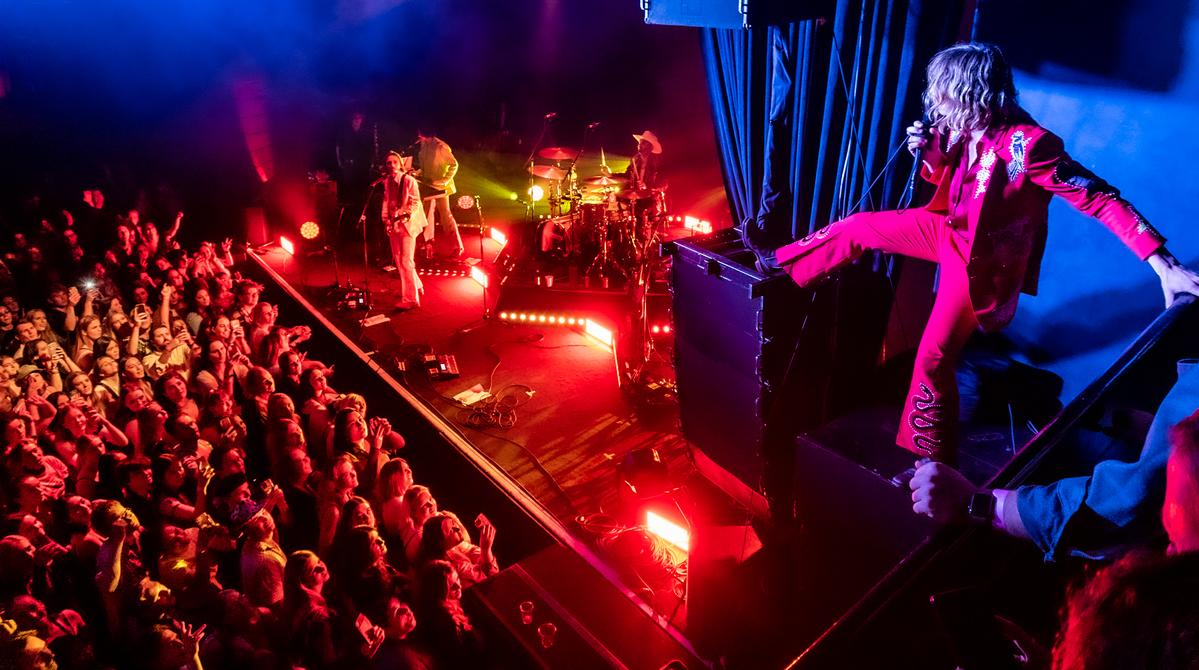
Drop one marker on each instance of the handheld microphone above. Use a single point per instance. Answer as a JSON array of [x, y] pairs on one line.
[[551, 115], [917, 162]]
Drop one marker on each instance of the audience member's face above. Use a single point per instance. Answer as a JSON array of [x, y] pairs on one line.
[[223, 328], [425, 506], [134, 368], [224, 280], [217, 354], [203, 299], [10, 302], [186, 426], [345, 475], [124, 236], [98, 198], [38, 317], [15, 430], [35, 383], [82, 385], [400, 620], [160, 336], [107, 364], [75, 421], [175, 389], [293, 365], [357, 427], [94, 329], [265, 314], [79, 510], [453, 533], [378, 546], [233, 463], [59, 298], [239, 495], [29, 494], [363, 516], [301, 464], [318, 381], [175, 279], [1180, 512], [140, 481], [134, 399], [141, 296], [9, 367], [248, 296], [318, 575], [6, 318], [70, 236], [117, 321], [26, 332], [30, 614]]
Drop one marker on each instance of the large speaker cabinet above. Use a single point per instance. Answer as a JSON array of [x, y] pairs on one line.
[[735, 332]]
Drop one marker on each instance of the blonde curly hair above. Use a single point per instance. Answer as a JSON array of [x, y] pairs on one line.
[[969, 88]]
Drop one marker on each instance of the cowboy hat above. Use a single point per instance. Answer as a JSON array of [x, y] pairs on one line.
[[650, 137]]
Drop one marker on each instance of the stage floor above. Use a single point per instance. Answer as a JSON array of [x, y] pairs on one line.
[[569, 435]]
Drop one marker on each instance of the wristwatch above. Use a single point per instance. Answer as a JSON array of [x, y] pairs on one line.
[[981, 507]]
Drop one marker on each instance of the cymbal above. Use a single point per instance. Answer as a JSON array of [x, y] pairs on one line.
[[558, 153], [604, 180], [547, 172]]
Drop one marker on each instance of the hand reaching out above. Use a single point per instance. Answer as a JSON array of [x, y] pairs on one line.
[[486, 533]]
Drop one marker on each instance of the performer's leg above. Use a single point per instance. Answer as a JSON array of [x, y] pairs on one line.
[[410, 283], [429, 207], [912, 233], [447, 220], [929, 423]]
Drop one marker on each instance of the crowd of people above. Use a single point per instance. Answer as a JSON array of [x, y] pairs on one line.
[[184, 487]]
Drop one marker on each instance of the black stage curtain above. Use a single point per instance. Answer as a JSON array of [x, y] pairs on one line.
[[807, 114]]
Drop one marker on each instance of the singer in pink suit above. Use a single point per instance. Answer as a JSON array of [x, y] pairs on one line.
[[995, 172]]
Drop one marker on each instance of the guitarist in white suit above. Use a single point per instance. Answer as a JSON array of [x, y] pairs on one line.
[[404, 219], [437, 167]]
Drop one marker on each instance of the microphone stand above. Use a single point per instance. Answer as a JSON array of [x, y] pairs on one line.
[[545, 126], [366, 281]]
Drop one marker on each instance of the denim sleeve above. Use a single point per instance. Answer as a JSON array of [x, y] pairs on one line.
[[1120, 502]]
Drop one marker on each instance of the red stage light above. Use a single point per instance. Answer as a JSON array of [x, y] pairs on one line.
[[287, 245], [309, 230], [477, 274], [598, 333], [503, 316], [499, 236], [665, 329], [656, 329], [667, 530]]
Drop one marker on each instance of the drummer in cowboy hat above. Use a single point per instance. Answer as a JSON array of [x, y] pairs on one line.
[[644, 169]]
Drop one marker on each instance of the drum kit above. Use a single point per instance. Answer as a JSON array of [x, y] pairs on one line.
[[601, 223]]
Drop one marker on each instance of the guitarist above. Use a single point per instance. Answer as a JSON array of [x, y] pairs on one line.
[[404, 220], [437, 166]]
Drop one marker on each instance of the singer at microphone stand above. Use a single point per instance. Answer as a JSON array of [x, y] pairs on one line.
[[995, 170]]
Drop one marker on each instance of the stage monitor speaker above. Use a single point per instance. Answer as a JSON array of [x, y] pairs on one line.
[[732, 13], [257, 232], [719, 586], [735, 331]]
